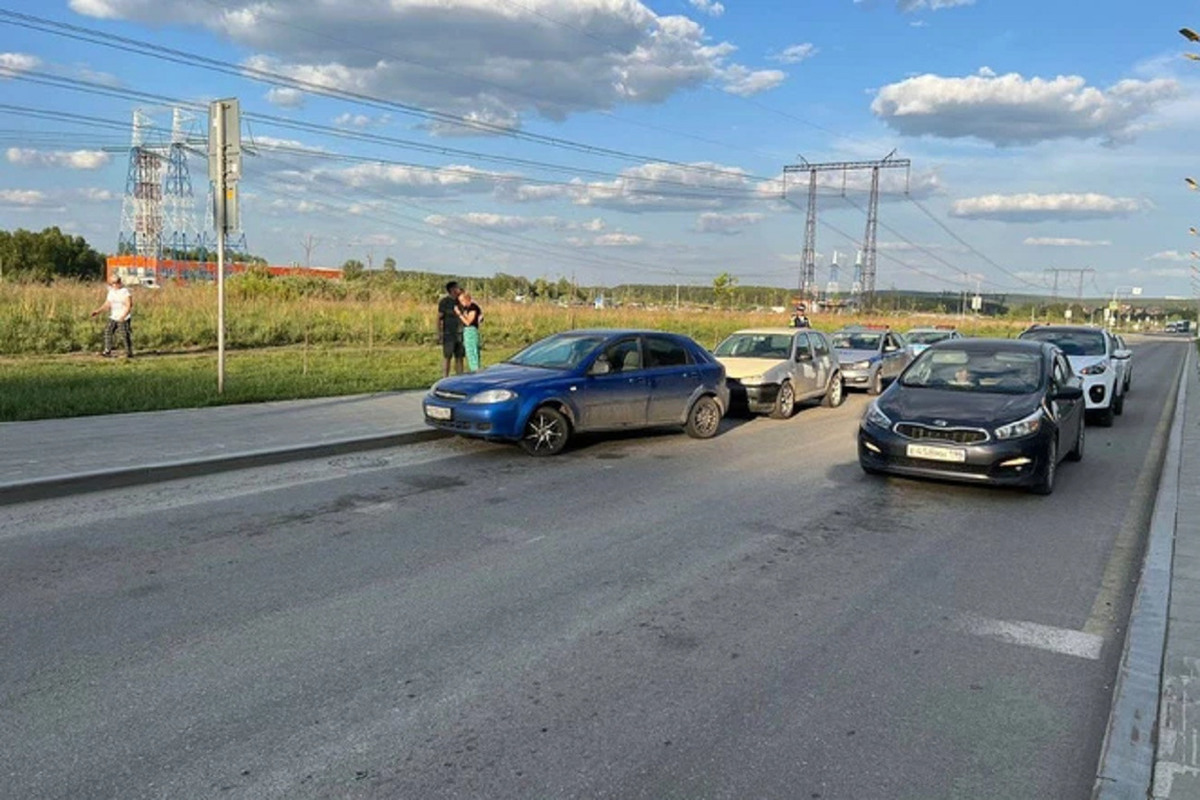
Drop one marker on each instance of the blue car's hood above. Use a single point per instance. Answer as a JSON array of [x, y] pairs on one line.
[[497, 376], [972, 409], [850, 356]]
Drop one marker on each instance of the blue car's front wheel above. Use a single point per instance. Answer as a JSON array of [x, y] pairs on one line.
[[546, 432]]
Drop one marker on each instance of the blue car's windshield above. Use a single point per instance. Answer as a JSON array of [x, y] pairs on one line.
[[560, 351], [856, 341], [995, 372]]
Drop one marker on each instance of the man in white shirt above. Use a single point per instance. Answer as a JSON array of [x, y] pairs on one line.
[[119, 303]]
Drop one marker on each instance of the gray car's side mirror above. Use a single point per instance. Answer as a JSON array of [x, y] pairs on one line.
[[1069, 393], [803, 355], [1122, 354]]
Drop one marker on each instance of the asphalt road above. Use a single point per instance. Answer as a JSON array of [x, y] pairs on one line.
[[643, 617]]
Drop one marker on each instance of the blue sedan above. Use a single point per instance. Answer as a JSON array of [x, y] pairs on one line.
[[585, 380]]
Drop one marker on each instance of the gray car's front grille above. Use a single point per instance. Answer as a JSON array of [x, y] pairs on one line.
[[915, 430]]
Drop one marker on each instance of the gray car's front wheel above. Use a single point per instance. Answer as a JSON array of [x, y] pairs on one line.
[[876, 386], [785, 402], [836, 394]]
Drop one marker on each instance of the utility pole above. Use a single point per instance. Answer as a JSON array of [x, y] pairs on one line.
[[224, 169], [808, 259]]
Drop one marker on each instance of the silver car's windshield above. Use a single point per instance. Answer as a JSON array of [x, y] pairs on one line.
[[856, 341], [1072, 343], [775, 346], [560, 351], [927, 337], [995, 371]]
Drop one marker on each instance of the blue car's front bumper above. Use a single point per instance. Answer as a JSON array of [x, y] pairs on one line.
[[483, 420]]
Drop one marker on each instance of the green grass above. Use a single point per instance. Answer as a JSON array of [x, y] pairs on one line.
[[53, 387], [285, 346]]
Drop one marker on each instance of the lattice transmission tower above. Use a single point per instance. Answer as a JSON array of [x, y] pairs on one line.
[[142, 209], [158, 215], [808, 266]]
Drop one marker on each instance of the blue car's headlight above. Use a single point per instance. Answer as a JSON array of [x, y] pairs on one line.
[[876, 418], [492, 396], [1022, 427]]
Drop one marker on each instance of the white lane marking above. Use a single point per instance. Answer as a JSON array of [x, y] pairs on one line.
[[535, 539], [1031, 634]]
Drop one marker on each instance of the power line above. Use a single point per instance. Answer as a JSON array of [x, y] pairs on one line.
[[538, 247], [149, 49], [90, 87], [969, 246]]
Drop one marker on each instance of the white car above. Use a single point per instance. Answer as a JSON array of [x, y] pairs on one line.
[[1094, 356], [1125, 364], [770, 370]]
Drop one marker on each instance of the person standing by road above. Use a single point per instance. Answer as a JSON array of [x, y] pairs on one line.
[[119, 303], [450, 329], [470, 315]]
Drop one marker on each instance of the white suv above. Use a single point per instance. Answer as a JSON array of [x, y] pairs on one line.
[[1095, 357]]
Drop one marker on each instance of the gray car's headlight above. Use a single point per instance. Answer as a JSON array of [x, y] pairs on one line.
[[1022, 427], [877, 418], [752, 379], [492, 396], [861, 365]]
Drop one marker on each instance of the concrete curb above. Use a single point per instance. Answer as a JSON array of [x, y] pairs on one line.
[[1126, 768], [64, 485]]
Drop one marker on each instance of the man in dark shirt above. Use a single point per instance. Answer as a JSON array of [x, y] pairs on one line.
[[450, 330]]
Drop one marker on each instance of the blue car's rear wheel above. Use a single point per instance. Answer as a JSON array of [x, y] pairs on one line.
[[546, 432], [704, 419]]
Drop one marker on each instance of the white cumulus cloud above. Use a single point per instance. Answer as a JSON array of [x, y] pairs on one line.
[[75, 159], [931, 5], [550, 58], [17, 62], [727, 224], [1043, 207], [1170, 256], [285, 97], [796, 53], [1012, 110], [1051, 241], [710, 7]]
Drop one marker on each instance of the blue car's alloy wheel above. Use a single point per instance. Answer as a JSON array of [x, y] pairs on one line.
[[704, 419], [546, 432]]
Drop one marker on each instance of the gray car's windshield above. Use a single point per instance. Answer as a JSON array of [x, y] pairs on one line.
[[560, 351], [775, 346], [927, 337], [856, 341], [1072, 343], [995, 371]]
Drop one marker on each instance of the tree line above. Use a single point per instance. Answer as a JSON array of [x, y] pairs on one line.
[[43, 257]]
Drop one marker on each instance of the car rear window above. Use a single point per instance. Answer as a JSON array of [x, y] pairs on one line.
[[1072, 343]]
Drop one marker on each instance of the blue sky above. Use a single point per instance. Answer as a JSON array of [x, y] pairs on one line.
[[650, 137]]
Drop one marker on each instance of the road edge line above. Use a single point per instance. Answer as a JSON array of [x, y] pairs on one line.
[[64, 485], [1126, 767]]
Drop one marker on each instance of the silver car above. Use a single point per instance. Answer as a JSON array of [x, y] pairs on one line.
[[770, 370]]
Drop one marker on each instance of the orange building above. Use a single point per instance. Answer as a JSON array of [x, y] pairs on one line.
[[146, 271]]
